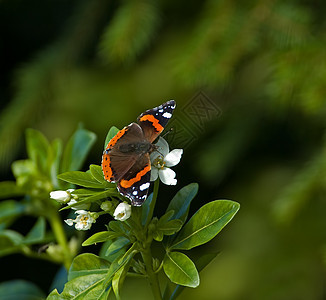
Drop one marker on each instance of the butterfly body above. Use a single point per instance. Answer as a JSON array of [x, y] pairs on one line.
[[136, 148], [126, 159]]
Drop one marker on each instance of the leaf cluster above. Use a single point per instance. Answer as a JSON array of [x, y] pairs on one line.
[[28, 195], [127, 247]]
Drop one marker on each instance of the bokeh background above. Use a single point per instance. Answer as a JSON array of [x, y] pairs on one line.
[[249, 79]]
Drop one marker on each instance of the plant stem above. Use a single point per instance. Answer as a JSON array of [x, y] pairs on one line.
[[60, 235], [146, 252], [152, 276], [155, 193]]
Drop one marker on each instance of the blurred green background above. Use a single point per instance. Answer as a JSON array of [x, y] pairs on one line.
[[249, 79]]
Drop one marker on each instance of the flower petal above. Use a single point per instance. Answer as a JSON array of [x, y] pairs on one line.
[[122, 211], [163, 146], [167, 176], [173, 158], [70, 222], [154, 174], [60, 196], [82, 226], [162, 149]]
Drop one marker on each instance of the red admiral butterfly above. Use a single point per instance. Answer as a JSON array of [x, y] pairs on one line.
[[126, 157]]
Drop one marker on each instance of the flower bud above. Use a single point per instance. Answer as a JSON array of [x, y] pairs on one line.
[[122, 211], [106, 205], [61, 196]]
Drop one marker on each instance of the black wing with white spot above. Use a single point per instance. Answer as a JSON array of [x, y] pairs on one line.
[[154, 120], [135, 183]]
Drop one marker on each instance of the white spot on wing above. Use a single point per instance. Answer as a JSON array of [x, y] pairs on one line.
[[144, 186], [167, 115], [135, 193]]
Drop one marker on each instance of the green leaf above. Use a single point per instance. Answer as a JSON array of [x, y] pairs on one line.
[[10, 209], [10, 242], [77, 149], [100, 237], [118, 279], [112, 132], [14, 237], [86, 279], [120, 262], [56, 153], [146, 208], [20, 289], [37, 233], [169, 228], [172, 290], [87, 263], [181, 201], [85, 192], [117, 245], [158, 235], [60, 279], [180, 269], [119, 227], [97, 173], [84, 287], [112, 257], [89, 199], [37, 149], [205, 224], [165, 226], [81, 178], [139, 267], [9, 189], [166, 217]]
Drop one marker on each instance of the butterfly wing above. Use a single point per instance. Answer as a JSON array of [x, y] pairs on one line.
[[135, 182], [116, 163], [131, 168], [154, 120]]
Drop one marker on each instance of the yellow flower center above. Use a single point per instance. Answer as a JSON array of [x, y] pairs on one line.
[[84, 220], [159, 162], [121, 215]]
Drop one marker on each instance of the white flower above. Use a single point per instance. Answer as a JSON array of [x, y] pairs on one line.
[[83, 221], [162, 160], [122, 211], [61, 196]]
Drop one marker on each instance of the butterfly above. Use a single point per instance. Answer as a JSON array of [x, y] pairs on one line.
[[126, 159]]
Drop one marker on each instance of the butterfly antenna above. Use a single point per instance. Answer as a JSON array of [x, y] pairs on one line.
[[166, 133], [171, 129]]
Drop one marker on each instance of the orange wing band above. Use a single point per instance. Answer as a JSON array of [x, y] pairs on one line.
[[107, 170], [130, 182], [154, 121], [116, 137]]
